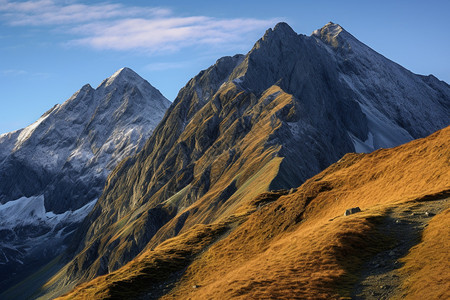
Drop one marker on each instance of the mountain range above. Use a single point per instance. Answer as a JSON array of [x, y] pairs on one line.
[[226, 198]]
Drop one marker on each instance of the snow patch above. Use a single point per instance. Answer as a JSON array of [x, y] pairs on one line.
[[26, 133], [31, 211], [385, 134], [362, 146]]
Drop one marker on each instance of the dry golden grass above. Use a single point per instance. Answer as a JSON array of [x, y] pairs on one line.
[[291, 249], [306, 263], [427, 266], [152, 268], [301, 246]]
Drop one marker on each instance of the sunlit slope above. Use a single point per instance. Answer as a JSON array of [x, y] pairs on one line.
[[427, 265], [268, 120], [300, 244]]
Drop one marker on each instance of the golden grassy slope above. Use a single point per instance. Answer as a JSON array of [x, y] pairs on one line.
[[427, 265], [149, 270], [153, 269], [300, 246]]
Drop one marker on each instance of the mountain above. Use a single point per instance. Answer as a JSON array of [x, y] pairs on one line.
[[300, 245], [52, 172], [249, 124]]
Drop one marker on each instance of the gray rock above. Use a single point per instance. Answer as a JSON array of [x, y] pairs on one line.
[[352, 211]]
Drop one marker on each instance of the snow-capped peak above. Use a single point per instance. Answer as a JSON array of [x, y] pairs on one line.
[[123, 75], [93, 130], [52, 171]]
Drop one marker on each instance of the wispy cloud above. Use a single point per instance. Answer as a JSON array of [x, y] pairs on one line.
[[166, 34], [18, 72], [13, 72], [119, 27], [50, 12]]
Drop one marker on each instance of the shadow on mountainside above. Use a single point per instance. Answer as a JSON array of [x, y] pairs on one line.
[[380, 277]]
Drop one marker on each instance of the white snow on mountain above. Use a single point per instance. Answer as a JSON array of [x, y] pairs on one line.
[[28, 229], [87, 135], [53, 171], [31, 211]]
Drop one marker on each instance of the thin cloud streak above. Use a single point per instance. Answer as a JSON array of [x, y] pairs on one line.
[[49, 12], [18, 72], [109, 26], [168, 34], [13, 72]]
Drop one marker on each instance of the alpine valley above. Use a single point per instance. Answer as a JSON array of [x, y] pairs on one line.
[[240, 190]]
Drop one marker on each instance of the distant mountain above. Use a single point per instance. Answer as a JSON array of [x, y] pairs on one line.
[[52, 172], [248, 124]]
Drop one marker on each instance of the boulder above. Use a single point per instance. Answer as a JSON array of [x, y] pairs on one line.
[[351, 211]]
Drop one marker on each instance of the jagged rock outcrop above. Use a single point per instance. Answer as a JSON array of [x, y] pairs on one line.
[[267, 120]]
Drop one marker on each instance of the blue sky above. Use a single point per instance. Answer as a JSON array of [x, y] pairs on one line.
[[50, 48]]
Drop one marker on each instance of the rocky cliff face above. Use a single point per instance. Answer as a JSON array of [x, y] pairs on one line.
[[267, 120], [52, 172]]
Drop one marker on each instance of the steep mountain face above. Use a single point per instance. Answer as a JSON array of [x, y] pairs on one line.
[[52, 172], [267, 120], [299, 244]]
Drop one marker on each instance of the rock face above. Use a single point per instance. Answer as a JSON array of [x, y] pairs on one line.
[[52, 172], [267, 120]]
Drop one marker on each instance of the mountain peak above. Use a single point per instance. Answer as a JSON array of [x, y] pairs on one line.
[[284, 27], [121, 75], [281, 30], [86, 87], [330, 29], [333, 26], [125, 71], [336, 36]]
